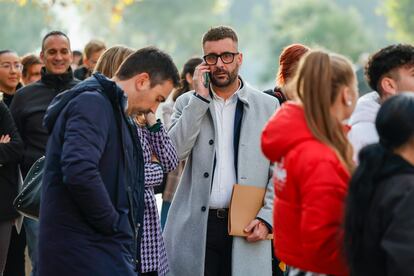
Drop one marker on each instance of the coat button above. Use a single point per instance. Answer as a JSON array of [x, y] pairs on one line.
[[203, 209], [211, 142], [206, 174]]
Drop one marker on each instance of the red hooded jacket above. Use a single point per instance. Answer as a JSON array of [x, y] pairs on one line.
[[310, 187]]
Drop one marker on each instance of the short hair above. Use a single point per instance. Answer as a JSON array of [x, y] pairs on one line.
[[219, 33], [7, 51], [387, 60], [109, 62], [77, 53], [54, 33], [157, 64], [29, 60], [92, 47]]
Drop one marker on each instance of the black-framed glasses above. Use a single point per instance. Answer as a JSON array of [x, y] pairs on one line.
[[226, 58]]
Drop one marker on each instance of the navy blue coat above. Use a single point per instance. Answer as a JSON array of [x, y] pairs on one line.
[[87, 225]]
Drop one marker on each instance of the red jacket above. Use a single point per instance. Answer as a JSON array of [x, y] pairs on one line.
[[310, 188]]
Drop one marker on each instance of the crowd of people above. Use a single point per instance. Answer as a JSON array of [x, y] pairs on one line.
[[337, 170]]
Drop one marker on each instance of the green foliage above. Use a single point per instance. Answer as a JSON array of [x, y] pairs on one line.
[[174, 26], [400, 14], [319, 23], [22, 26]]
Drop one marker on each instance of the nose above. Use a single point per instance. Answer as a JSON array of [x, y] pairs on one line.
[[58, 56], [219, 62]]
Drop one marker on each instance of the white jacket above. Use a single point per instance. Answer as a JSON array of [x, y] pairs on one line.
[[362, 122]]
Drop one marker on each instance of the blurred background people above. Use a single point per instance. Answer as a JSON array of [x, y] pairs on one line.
[[77, 60], [288, 63], [363, 86], [11, 150], [389, 71], [314, 163], [10, 73], [93, 50], [379, 225], [172, 179], [111, 59], [32, 66]]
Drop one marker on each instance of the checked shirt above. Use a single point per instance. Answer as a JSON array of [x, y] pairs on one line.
[[158, 143]]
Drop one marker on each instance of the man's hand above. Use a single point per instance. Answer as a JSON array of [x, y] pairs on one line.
[[258, 231], [150, 118], [4, 139], [198, 80]]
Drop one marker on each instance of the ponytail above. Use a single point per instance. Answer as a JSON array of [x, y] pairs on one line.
[[318, 82]]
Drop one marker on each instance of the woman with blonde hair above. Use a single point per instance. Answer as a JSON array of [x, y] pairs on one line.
[[307, 140], [109, 62], [160, 157]]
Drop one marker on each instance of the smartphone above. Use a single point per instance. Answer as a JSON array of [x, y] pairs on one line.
[[206, 79]]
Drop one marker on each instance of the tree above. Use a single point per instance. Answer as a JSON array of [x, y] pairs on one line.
[[319, 23], [400, 14], [22, 26]]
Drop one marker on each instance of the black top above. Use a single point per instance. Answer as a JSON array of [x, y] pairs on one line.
[[10, 154], [388, 244], [7, 98], [28, 108], [82, 73]]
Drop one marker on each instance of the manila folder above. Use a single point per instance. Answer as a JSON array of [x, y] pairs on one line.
[[245, 204]]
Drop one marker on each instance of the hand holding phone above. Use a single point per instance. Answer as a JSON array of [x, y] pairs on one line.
[[206, 77], [201, 80]]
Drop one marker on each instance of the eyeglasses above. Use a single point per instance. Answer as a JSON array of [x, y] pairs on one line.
[[226, 58], [9, 66]]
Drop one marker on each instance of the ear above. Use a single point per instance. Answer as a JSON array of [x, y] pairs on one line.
[[189, 78], [240, 58], [142, 81], [388, 87], [347, 96], [42, 57]]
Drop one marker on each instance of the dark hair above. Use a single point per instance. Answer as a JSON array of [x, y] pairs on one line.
[[219, 33], [7, 51], [29, 60], [385, 61], [188, 68], [395, 127], [77, 53], [159, 66], [54, 33]]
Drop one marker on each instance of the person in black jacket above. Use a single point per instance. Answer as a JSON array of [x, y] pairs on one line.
[[11, 150], [379, 224], [29, 106]]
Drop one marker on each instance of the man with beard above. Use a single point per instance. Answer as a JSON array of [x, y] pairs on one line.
[[217, 129]]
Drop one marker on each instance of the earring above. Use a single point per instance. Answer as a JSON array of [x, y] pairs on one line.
[[348, 103]]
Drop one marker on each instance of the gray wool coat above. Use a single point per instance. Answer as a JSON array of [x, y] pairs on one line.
[[193, 126]]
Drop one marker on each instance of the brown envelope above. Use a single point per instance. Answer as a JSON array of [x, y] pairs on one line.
[[245, 204]]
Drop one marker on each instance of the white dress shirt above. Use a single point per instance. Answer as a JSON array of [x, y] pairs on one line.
[[224, 174]]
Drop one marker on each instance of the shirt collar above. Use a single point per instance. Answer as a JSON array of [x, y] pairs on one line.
[[233, 98]]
